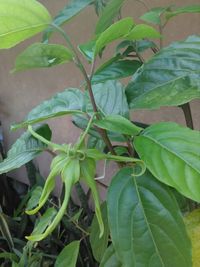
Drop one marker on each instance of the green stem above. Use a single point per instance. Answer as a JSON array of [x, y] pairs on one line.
[[79, 64]]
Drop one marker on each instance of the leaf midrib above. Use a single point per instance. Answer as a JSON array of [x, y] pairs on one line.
[[146, 220]]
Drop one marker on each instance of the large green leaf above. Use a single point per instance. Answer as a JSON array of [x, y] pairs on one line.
[[20, 20], [170, 78], [172, 153], [99, 245], [110, 98], [109, 13], [110, 259], [145, 223], [68, 256], [115, 69], [73, 8], [70, 101], [25, 149], [41, 55], [116, 31]]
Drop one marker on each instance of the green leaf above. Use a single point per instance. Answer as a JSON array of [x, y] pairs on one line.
[[70, 101], [34, 199], [116, 31], [154, 15], [109, 13], [68, 256], [88, 49], [73, 8], [183, 10], [115, 69], [110, 259], [145, 222], [7, 255], [44, 221], [41, 55], [119, 124], [110, 98], [170, 78], [99, 245], [172, 153], [21, 20], [142, 31], [5, 231], [25, 149]]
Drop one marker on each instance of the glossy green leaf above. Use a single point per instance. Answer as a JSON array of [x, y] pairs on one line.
[[116, 31], [110, 98], [41, 55], [154, 15], [142, 31], [134, 46], [73, 8], [119, 124], [183, 10], [20, 20], [25, 149], [170, 78], [70, 101], [115, 69], [108, 15], [69, 255], [110, 258], [172, 153], [145, 222], [99, 245]]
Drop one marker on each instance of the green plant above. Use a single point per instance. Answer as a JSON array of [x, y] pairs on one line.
[[140, 224]]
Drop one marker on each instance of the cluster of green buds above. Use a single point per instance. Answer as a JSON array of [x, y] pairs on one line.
[[73, 164]]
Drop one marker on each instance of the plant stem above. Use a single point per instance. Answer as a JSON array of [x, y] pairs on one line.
[[79, 64], [188, 115]]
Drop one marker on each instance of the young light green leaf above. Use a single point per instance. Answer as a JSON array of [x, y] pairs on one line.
[[41, 55], [69, 255], [172, 153], [73, 8], [142, 31], [143, 214], [183, 10], [88, 170], [119, 124], [108, 15], [88, 49], [34, 198], [110, 258], [115, 69], [25, 149], [116, 31], [99, 245], [21, 20], [70, 101], [154, 15], [170, 78]]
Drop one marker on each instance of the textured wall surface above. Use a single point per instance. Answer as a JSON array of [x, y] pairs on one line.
[[20, 92]]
